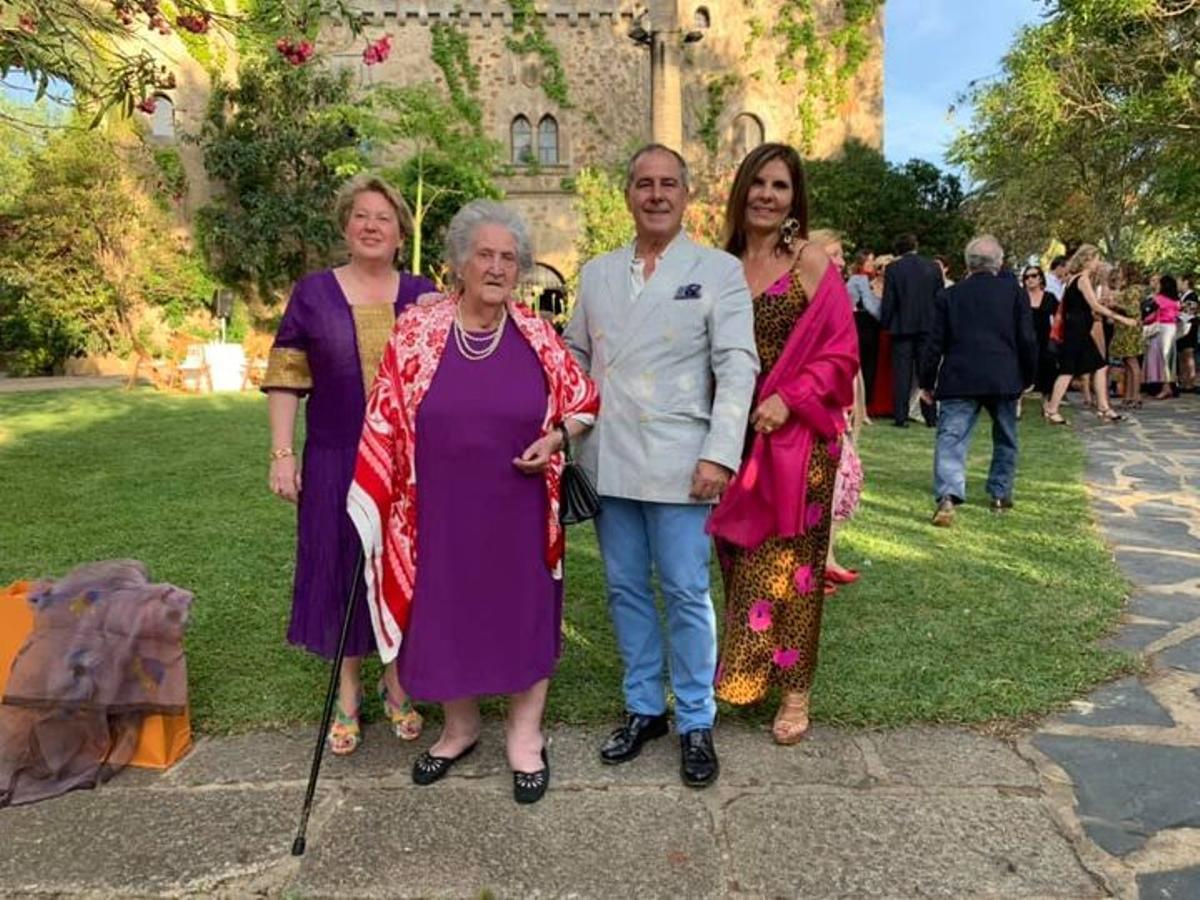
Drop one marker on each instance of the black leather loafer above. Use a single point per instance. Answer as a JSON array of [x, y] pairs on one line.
[[1000, 504], [698, 764], [429, 768], [626, 742], [529, 787]]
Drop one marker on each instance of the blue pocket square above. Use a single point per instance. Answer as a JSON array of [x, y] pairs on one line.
[[687, 292]]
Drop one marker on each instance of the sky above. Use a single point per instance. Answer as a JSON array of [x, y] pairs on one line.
[[933, 49]]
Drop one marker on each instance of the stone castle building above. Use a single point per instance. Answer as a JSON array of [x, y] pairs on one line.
[[698, 75]]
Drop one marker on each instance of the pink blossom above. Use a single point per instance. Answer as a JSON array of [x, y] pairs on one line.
[[786, 658], [760, 615], [378, 51], [805, 583], [148, 105]]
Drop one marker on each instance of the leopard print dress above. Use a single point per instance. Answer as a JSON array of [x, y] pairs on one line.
[[774, 593]]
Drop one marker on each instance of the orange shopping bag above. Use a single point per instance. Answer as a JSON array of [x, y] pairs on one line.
[[162, 740]]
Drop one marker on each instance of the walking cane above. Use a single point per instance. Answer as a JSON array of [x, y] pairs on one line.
[[299, 843]]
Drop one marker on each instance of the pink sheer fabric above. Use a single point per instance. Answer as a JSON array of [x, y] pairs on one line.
[[815, 378], [106, 649]]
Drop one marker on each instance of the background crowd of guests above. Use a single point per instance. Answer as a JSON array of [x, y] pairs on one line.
[[715, 396]]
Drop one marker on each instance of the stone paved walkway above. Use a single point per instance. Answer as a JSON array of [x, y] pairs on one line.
[[1125, 763]]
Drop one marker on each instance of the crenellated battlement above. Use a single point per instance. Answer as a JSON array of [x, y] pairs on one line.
[[491, 12]]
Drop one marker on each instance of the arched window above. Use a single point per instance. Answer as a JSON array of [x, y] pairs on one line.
[[548, 141], [748, 133], [162, 120], [522, 141]]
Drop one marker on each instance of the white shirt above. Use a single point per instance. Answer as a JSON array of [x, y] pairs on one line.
[[637, 268], [1054, 285]]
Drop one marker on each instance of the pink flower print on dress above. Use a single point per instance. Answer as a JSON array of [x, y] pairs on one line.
[[805, 583], [834, 449], [760, 616], [720, 674], [813, 515], [785, 658], [780, 287]]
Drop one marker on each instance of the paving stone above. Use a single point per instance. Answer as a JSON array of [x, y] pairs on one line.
[[1135, 637], [1156, 510], [927, 757], [444, 841], [1149, 569], [1182, 884], [1184, 656], [1130, 531], [1124, 702], [842, 844], [1177, 608], [1152, 477], [287, 756], [145, 841], [1128, 791]]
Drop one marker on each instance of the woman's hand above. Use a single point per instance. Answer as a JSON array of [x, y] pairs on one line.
[[1125, 320], [284, 479], [537, 455], [770, 415]]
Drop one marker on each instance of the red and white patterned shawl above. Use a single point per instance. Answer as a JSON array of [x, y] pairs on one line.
[[383, 497]]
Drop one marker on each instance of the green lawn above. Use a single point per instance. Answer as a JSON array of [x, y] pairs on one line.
[[993, 619]]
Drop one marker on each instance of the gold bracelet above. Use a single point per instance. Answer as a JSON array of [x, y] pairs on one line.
[[281, 453]]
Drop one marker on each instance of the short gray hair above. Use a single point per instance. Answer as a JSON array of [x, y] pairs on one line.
[[460, 235], [984, 254], [656, 148]]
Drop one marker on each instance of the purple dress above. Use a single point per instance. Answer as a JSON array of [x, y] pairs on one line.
[[317, 352], [486, 616]]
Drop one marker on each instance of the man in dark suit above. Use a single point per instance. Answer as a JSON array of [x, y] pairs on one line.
[[910, 284], [981, 354]]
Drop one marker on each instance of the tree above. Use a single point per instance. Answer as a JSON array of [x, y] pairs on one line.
[[1088, 133], [88, 249], [447, 163], [278, 144], [110, 51], [604, 220]]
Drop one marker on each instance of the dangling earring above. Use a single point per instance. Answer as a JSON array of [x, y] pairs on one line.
[[788, 231]]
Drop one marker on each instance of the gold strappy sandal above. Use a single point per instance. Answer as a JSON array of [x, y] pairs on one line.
[[791, 721]]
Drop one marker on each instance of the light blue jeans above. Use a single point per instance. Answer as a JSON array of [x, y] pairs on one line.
[[956, 421], [636, 538]]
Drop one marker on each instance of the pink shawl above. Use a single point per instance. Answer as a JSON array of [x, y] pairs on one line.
[[815, 378], [383, 496]]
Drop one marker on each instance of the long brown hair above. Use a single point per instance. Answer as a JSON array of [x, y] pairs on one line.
[[735, 210]]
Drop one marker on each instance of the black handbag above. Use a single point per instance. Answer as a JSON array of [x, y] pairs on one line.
[[578, 500]]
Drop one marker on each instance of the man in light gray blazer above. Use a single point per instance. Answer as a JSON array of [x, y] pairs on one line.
[[665, 328]]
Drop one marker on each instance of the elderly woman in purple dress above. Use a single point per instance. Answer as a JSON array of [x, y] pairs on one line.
[[327, 350]]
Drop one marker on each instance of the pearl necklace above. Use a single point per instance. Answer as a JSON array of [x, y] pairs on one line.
[[483, 347]]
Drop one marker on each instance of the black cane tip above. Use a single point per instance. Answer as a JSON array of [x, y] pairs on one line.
[[298, 846]]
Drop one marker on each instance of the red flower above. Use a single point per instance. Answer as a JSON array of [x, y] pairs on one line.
[[378, 51], [28, 24], [148, 105]]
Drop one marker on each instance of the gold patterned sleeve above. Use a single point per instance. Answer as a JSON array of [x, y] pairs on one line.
[[287, 368]]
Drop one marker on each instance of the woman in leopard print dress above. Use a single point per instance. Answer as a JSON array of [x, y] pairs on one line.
[[772, 527]]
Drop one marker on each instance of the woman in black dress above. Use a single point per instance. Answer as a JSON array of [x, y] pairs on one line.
[[1043, 304], [1080, 354]]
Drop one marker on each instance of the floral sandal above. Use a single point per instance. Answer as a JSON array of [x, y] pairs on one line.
[[406, 721], [344, 733]]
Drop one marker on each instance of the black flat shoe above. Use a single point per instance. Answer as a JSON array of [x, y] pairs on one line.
[[698, 764], [626, 742], [429, 768], [529, 787], [1000, 504]]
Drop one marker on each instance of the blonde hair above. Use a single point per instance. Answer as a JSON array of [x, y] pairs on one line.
[[824, 237], [1084, 255], [361, 184]]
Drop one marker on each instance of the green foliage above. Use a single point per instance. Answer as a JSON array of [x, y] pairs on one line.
[[529, 36], [170, 167], [1088, 133], [448, 162], [604, 220], [451, 52], [715, 92], [86, 250], [278, 144], [870, 201]]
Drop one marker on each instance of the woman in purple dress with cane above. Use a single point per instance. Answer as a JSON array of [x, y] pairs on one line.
[[328, 349]]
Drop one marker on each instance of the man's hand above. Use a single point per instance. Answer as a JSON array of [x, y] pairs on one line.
[[770, 415], [709, 480], [927, 397]]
